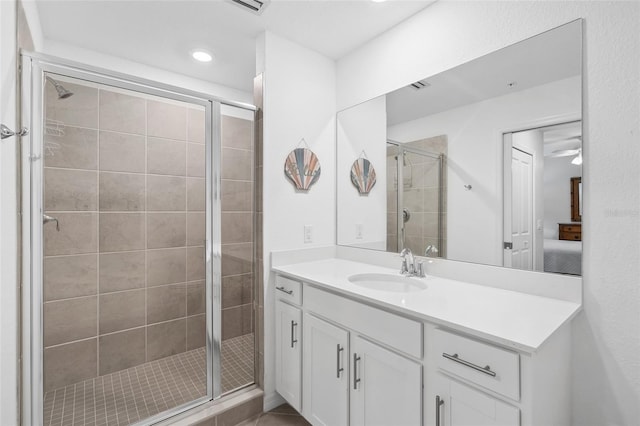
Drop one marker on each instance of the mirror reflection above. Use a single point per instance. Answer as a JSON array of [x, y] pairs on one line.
[[481, 163]]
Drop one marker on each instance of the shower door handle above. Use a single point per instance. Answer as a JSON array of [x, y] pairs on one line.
[[46, 219]]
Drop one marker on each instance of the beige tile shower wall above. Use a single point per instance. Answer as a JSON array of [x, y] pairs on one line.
[[237, 187], [124, 276], [421, 189]]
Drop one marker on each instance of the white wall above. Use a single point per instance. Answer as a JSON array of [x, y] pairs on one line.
[[475, 153], [8, 219], [113, 63], [363, 127], [299, 102], [557, 193], [606, 342]]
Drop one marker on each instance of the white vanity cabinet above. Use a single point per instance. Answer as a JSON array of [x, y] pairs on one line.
[[346, 377], [289, 341]]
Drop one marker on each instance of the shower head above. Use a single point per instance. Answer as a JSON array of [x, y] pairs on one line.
[[62, 92]]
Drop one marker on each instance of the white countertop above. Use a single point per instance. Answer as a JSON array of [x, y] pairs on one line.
[[518, 320]]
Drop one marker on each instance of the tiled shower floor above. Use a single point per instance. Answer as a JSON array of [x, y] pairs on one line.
[[130, 395]]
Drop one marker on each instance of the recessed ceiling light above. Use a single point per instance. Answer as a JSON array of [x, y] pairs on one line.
[[201, 55]]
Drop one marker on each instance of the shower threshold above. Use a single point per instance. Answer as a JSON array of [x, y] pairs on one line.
[[127, 396]]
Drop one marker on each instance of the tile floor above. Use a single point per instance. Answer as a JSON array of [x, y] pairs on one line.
[[130, 395], [283, 415]]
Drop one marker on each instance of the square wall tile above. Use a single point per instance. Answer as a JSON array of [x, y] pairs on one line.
[[122, 271], [122, 113], [195, 263], [196, 331], [196, 160], [122, 310], [166, 230], [76, 149], [237, 196], [166, 302], [237, 321], [237, 290], [70, 319], [70, 276], [70, 190], [196, 196], [79, 110], [166, 120], [78, 234], [196, 125], [166, 338], [196, 228], [122, 152], [196, 294], [70, 363], [121, 192], [237, 164], [166, 157], [166, 266], [121, 231], [122, 350], [166, 193], [237, 132], [237, 227]]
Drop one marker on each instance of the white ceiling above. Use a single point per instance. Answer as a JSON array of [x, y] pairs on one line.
[[161, 33], [550, 56]]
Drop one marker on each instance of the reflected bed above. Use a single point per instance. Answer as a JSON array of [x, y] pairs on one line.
[[563, 257]]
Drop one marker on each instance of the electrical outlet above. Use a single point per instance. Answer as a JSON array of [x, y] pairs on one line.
[[359, 231], [308, 234]]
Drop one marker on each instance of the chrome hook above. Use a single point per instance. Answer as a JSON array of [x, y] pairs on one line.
[[46, 219]]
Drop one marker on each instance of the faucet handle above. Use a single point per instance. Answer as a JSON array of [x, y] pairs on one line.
[[420, 270]]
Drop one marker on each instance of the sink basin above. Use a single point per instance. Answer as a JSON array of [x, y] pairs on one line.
[[388, 282]]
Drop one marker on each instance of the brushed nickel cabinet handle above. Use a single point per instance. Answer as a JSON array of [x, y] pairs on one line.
[[486, 369], [293, 333], [282, 289], [439, 402], [356, 380], [338, 368]]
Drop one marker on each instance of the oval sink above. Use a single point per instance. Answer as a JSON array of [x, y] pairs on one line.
[[388, 282]]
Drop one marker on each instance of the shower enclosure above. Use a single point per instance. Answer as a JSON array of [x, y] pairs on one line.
[[416, 196], [138, 231]]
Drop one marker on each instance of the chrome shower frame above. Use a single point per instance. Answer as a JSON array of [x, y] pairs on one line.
[[35, 69]]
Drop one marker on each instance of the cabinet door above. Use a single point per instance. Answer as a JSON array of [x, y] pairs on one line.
[[464, 405], [289, 353], [386, 388], [326, 373]]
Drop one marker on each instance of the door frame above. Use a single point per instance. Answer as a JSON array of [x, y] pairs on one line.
[[554, 120], [34, 66]]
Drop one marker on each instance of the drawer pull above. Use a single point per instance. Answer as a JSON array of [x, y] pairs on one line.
[[356, 358], [439, 402], [456, 358], [339, 369], [284, 290], [293, 333]]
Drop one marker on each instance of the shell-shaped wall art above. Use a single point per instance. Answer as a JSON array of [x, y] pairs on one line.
[[363, 175], [302, 167]]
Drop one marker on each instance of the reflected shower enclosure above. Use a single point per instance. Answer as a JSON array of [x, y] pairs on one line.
[[127, 246]]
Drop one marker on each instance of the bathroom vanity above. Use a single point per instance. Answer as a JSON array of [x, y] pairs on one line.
[[359, 344]]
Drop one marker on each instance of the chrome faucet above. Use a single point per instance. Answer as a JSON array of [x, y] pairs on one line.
[[430, 249], [408, 266]]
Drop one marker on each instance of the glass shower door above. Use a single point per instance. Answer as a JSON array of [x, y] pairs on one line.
[[125, 279]]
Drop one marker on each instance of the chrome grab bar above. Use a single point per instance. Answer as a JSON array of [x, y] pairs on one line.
[[486, 369], [282, 289]]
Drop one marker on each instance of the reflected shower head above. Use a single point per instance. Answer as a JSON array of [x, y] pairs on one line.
[[62, 92]]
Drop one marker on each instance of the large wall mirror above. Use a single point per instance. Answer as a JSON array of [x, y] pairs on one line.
[[476, 164]]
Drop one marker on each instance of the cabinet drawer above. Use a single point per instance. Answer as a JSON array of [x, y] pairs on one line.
[[571, 236], [398, 332], [489, 366], [570, 228], [289, 290]]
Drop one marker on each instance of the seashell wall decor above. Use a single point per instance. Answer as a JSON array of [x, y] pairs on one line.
[[363, 175], [302, 167]]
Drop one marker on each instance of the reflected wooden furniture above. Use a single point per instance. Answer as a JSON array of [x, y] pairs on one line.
[[570, 231]]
